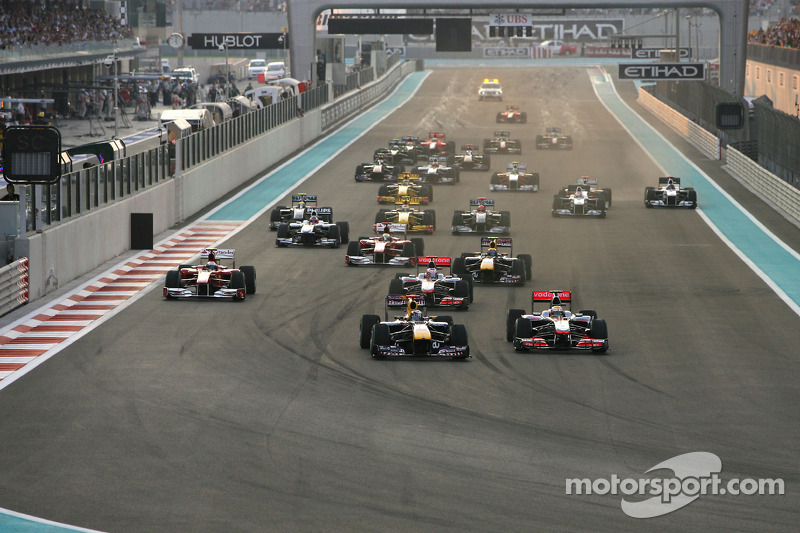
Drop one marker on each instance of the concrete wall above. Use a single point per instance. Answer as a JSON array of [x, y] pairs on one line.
[[780, 84]]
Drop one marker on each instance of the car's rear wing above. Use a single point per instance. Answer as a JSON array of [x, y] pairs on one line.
[[586, 180], [408, 176], [424, 261], [553, 130], [436, 135], [502, 133], [665, 180], [219, 253], [395, 301], [473, 147], [551, 298], [308, 198], [520, 166], [512, 107], [437, 159], [393, 227], [481, 201], [500, 242]]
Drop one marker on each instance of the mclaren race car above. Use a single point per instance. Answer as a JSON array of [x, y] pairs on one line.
[[438, 290], [578, 202], [405, 219], [438, 171], [669, 193], [380, 170], [513, 115], [502, 143], [408, 188], [384, 250], [556, 328], [312, 231], [470, 159], [210, 279], [303, 206], [553, 138], [491, 266], [435, 145], [413, 334], [481, 218], [515, 178], [588, 185]]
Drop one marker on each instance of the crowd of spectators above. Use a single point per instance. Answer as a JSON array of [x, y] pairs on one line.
[[55, 22], [235, 5], [785, 33]]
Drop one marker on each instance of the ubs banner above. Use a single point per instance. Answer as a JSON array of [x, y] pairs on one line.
[[236, 41]]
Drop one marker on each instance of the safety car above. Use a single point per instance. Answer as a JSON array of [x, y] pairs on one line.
[[490, 265], [515, 178], [405, 219], [502, 143], [408, 188], [210, 279], [413, 334], [384, 250], [470, 159], [438, 289], [669, 193], [481, 218], [513, 115], [554, 139], [439, 171], [579, 201], [312, 231], [490, 89], [557, 327]]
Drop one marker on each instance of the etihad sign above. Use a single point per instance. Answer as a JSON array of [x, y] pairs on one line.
[[662, 71]]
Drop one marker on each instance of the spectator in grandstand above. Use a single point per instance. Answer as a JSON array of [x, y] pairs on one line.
[[784, 34]]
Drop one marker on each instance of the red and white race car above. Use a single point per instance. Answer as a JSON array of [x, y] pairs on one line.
[[436, 144], [211, 279], [512, 114], [383, 250]]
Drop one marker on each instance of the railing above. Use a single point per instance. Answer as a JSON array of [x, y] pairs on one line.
[[13, 285], [703, 140], [765, 183], [41, 52]]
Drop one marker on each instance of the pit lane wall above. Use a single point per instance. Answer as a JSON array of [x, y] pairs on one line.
[[767, 185], [64, 252]]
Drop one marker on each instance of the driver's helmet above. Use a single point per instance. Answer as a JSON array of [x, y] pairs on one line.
[[416, 315], [515, 166], [386, 237], [481, 209], [212, 265], [301, 205], [313, 220], [492, 252], [431, 273], [556, 312]]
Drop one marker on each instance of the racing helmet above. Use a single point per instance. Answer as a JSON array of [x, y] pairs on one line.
[[492, 252], [431, 273], [557, 312], [386, 236], [301, 205], [212, 265], [481, 208], [313, 220], [416, 315]]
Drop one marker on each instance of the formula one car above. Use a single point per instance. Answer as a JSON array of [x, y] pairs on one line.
[[578, 202], [413, 334], [490, 89], [438, 171], [303, 206], [470, 159], [383, 250], [556, 328], [210, 279], [439, 290], [588, 184], [312, 232], [397, 153], [502, 144], [481, 218], [669, 193], [554, 139], [436, 144], [491, 266], [515, 179], [380, 170], [408, 188], [405, 219], [512, 114]]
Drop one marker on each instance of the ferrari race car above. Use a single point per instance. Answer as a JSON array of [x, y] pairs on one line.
[[669, 193], [210, 279], [579, 202], [502, 144], [490, 89], [512, 114], [438, 290], [438, 171], [413, 334], [553, 138], [384, 249], [481, 218], [556, 328], [380, 170], [313, 231], [491, 266], [515, 179], [588, 185], [303, 206], [470, 159], [436, 144], [405, 219], [408, 188]]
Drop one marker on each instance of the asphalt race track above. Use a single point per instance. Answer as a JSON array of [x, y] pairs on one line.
[[266, 416]]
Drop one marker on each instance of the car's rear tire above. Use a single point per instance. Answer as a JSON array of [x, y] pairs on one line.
[[249, 278], [173, 280], [383, 190], [600, 331], [396, 287], [459, 267], [238, 282], [461, 290], [429, 218], [274, 219], [409, 250], [381, 336], [354, 248], [505, 218], [649, 196], [365, 332], [528, 265], [283, 233], [511, 322], [380, 216], [522, 330], [333, 234], [459, 337], [445, 318], [344, 231], [419, 246], [458, 219], [693, 199], [518, 269]]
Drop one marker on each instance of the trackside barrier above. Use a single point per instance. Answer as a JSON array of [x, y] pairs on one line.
[[764, 182], [13, 285], [702, 139]]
